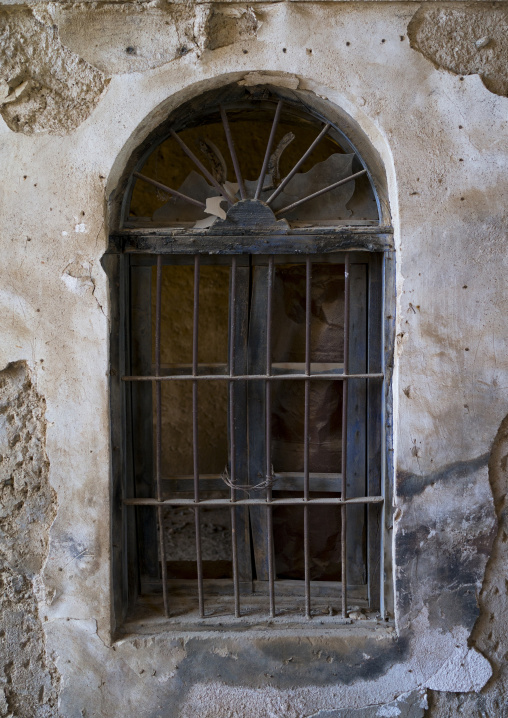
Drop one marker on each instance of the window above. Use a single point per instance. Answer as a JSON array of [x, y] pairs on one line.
[[249, 391]]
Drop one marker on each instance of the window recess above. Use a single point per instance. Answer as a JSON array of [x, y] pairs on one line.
[[269, 469], [249, 386]]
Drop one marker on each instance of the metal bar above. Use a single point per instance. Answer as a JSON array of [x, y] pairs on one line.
[[344, 441], [158, 433], [232, 339], [331, 501], [201, 166], [195, 435], [320, 192], [276, 476], [268, 429], [268, 149], [300, 162], [306, 547], [252, 377], [232, 152], [168, 190]]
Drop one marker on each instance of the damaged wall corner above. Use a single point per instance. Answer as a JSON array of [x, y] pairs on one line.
[[29, 681], [491, 628], [466, 40]]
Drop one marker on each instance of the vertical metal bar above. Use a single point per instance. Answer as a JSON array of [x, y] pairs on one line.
[[232, 339], [300, 162], [158, 433], [268, 149], [268, 436], [190, 154], [195, 435], [306, 429], [344, 438], [232, 152], [384, 343]]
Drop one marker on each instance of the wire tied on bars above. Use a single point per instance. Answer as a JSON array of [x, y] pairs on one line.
[[265, 484]]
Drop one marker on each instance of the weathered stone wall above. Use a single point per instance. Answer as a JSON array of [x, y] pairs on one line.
[[29, 679], [81, 86]]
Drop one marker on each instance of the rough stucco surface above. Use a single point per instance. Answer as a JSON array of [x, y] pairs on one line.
[[29, 681], [467, 40], [447, 187], [43, 86]]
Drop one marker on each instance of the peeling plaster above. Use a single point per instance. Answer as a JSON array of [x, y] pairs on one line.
[[465, 40], [46, 87]]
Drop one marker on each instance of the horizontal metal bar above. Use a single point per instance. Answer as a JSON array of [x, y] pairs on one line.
[[252, 377], [331, 501], [283, 481], [277, 367]]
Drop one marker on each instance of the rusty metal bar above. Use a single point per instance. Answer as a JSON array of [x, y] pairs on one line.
[[252, 377], [201, 167], [306, 429], [195, 435], [168, 190], [268, 149], [320, 192], [330, 501], [232, 152], [268, 435], [343, 494], [232, 340], [300, 162], [158, 434]]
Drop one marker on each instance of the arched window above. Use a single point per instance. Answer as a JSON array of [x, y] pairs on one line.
[[249, 387]]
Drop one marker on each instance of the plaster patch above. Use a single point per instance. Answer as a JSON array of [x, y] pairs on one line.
[[77, 277], [462, 672], [50, 88], [279, 79], [388, 712], [120, 38], [465, 40]]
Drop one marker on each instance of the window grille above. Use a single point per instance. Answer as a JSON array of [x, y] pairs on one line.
[[302, 409]]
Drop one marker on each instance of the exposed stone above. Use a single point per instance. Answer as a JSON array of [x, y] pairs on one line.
[[489, 634], [465, 40], [27, 507], [46, 87], [228, 25]]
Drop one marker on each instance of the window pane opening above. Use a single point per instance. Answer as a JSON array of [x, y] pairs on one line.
[[249, 124], [247, 424]]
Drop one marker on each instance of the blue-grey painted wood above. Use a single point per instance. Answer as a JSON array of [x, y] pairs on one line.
[[374, 433], [141, 438], [356, 424]]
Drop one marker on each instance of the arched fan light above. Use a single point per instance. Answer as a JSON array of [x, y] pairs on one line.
[[283, 196]]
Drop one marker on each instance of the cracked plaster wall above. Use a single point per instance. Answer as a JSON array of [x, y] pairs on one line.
[[100, 80]]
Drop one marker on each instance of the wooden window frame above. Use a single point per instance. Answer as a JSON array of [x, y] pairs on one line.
[[139, 249]]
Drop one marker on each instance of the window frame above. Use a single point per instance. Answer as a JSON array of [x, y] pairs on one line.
[[126, 246]]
